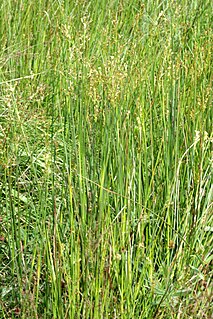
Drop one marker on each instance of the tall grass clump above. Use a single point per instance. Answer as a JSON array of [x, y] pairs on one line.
[[106, 159]]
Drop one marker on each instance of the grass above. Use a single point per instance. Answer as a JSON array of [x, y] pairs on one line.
[[106, 159]]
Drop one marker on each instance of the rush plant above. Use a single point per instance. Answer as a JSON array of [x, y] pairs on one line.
[[105, 159]]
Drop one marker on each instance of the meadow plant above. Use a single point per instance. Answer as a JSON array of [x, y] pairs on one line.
[[106, 159]]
